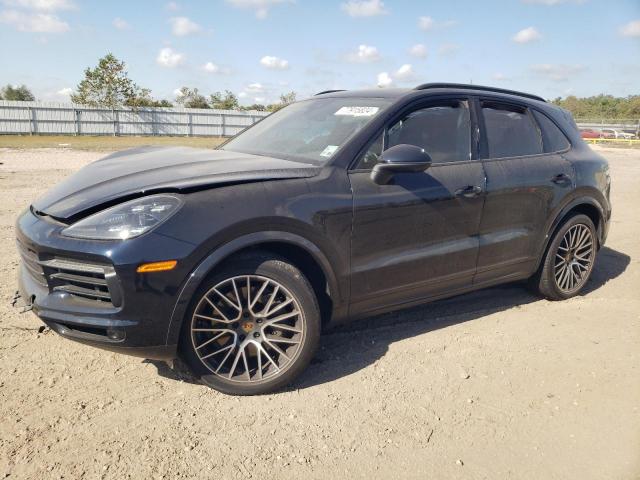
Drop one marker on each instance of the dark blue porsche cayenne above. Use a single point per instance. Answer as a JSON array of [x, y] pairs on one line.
[[342, 206]]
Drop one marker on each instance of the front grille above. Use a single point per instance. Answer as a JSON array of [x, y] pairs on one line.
[[89, 281], [84, 280]]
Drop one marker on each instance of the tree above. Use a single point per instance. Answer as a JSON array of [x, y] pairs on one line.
[[16, 93], [601, 106], [256, 106], [108, 85], [285, 99], [191, 98], [147, 101], [226, 101]]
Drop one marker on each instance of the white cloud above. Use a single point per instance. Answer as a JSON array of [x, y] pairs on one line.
[[529, 34], [405, 72], [418, 51], [211, 67], [631, 29], [33, 22], [259, 99], [384, 80], [121, 24], [182, 26], [255, 88], [425, 23], [169, 58], [557, 72], [274, 63], [65, 92], [447, 49], [242, 94], [499, 77], [41, 5], [428, 23], [364, 54], [177, 92], [172, 7], [260, 7], [364, 8]]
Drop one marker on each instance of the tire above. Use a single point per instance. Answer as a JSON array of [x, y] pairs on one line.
[[253, 326], [563, 274]]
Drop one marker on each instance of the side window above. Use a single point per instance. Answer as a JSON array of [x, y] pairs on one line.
[[552, 137], [371, 156], [510, 130], [444, 131]]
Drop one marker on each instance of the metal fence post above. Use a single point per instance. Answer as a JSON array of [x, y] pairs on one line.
[[76, 122], [30, 110], [116, 122], [223, 124], [190, 124]]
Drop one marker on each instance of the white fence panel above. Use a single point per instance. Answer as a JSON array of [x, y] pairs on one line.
[[48, 118]]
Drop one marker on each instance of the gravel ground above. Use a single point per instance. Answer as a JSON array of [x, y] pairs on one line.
[[494, 384]]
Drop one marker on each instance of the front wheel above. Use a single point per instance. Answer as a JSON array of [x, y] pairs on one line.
[[569, 260], [253, 327]]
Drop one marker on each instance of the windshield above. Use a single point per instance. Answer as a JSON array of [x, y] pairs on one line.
[[311, 130]]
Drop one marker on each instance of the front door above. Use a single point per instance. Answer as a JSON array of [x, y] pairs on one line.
[[418, 235]]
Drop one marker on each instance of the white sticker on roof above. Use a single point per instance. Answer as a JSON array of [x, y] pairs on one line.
[[330, 150], [358, 111]]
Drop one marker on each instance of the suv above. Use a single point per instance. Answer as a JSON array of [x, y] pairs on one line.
[[342, 206]]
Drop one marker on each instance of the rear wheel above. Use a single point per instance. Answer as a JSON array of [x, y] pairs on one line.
[[569, 260], [253, 327]]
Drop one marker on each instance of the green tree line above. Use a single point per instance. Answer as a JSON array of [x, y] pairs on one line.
[[601, 106]]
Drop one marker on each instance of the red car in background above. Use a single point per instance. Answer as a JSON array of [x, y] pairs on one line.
[[589, 133]]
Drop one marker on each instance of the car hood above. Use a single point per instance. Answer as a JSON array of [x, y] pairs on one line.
[[148, 170]]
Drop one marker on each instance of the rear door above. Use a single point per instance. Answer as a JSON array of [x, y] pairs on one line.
[[526, 177], [417, 236]]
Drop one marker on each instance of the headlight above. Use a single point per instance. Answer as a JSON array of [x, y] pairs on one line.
[[126, 220]]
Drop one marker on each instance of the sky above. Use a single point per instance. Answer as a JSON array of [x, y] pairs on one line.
[[259, 49]]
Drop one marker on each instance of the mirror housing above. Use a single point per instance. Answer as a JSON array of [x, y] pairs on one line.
[[401, 158]]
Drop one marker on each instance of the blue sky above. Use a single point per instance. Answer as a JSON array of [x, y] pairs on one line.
[[261, 48]]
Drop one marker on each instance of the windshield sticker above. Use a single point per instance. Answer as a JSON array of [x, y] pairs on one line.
[[358, 111], [330, 150]]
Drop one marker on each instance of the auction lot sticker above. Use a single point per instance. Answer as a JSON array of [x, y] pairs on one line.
[[357, 111]]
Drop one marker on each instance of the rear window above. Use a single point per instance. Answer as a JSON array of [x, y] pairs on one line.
[[510, 130], [552, 137]]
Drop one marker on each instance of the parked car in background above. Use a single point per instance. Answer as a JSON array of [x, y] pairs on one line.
[[589, 133], [615, 133], [342, 206]]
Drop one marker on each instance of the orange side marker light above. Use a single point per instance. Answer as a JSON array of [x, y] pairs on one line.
[[157, 266]]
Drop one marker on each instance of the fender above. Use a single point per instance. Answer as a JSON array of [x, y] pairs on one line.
[[551, 228], [218, 255]]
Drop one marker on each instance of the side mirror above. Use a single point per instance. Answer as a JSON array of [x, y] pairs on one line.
[[401, 158]]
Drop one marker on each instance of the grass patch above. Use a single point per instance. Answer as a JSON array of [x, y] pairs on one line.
[[103, 143]]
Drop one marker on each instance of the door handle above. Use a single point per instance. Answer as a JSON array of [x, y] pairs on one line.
[[561, 179], [469, 191]]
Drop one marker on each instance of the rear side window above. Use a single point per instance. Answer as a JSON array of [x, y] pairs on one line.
[[552, 137], [443, 131], [511, 131]]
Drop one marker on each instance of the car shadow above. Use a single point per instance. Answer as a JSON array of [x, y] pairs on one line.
[[347, 349]]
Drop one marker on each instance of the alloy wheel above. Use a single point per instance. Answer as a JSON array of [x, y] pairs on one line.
[[247, 328], [574, 258]]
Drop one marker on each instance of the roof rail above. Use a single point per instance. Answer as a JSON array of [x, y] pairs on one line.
[[329, 91], [426, 86]]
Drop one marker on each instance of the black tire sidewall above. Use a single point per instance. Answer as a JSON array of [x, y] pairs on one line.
[[290, 277]]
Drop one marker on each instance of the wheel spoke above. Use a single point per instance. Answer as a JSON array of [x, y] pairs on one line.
[[229, 302], [212, 339], [213, 305]]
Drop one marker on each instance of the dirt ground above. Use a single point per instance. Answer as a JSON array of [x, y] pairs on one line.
[[496, 384]]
